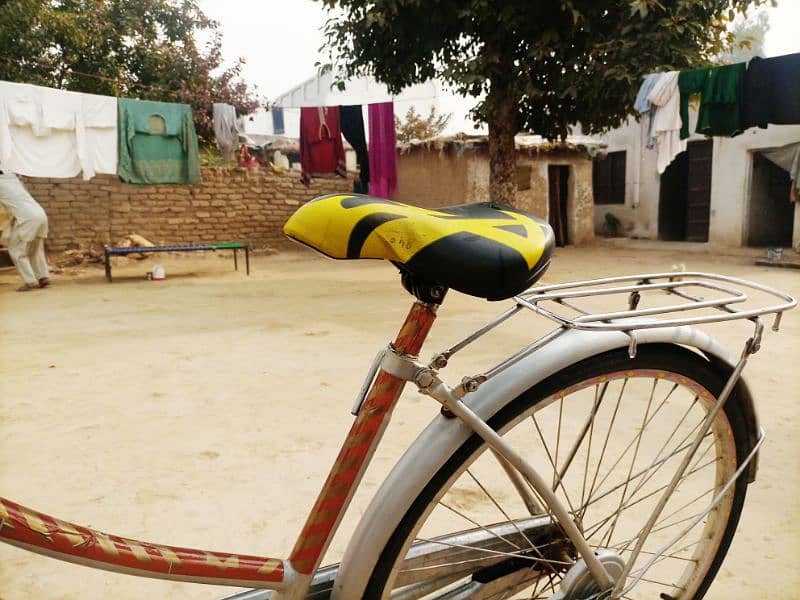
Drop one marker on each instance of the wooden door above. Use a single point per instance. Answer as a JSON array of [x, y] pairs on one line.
[[698, 197], [558, 179]]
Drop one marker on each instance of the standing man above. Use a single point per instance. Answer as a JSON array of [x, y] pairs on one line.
[[28, 231]]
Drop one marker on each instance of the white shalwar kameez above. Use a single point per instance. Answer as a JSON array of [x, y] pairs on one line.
[[27, 231]]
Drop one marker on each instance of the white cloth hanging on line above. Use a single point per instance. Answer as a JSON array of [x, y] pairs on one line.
[[666, 126], [100, 119], [226, 129], [55, 133], [643, 106]]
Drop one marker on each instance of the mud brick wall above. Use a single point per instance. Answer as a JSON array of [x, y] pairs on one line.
[[231, 204]]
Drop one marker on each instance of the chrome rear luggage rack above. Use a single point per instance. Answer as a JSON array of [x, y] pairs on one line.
[[730, 291], [558, 302]]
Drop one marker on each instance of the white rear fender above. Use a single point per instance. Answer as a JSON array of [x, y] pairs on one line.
[[443, 436]]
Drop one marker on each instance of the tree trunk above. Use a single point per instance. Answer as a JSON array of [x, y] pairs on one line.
[[502, 155]]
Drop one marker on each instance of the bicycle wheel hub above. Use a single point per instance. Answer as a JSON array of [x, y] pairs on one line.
[[579, 584]]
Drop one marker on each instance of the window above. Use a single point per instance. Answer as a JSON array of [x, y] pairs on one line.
[[523, 177], [609, 179]]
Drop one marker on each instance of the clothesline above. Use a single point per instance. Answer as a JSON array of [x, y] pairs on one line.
[[47, 132], [733, 98], [143, 86], [90, 75], [391, 99]]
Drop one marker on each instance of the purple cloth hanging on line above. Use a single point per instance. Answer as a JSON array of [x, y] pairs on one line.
[[382, 150]]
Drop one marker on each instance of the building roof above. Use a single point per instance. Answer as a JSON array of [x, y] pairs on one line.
[[525, 143]]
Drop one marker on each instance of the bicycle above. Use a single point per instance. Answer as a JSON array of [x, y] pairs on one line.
[[609, 458]]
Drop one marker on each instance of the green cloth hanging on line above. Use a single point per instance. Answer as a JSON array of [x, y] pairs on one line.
[[157, 142], [720, 90]]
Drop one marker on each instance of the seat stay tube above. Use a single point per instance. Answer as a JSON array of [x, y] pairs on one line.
[[358, 447]]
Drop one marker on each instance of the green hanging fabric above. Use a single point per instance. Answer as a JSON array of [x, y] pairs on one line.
[[157, 142], [690, 83], [720, 90]]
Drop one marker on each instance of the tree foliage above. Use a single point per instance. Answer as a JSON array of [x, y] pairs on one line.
[[534, 66], [144, 49], [417, 127]]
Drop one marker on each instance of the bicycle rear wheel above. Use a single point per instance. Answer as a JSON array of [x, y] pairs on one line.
[[608, 432]]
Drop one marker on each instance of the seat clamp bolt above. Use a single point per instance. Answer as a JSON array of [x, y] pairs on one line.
[[425, 378], [470, 384]]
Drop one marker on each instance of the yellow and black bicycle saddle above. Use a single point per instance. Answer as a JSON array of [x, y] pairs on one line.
[[485, 250]]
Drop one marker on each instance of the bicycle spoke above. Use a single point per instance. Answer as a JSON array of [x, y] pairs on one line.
[[558, 482], [531, 545], [478, 525], [558, 439], [533, 559], [669, 585], [663, 557], [654, 466], [577, 444], [549, 581], [622, 547], [603, 451], [520, 484], [535, 588], [597, 525], [597, 400], [658, 464], [675, 523], [673, 513], [538, 578], [645, 470], [694, 468], [628, 447], [633, 460]]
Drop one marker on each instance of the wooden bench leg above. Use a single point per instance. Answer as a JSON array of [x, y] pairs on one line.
[[247, 259], [235, 260], [108, 267]]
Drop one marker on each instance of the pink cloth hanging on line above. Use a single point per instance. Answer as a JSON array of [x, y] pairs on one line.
[[382, 150]]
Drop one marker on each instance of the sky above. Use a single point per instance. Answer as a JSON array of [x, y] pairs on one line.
[[280, 39]]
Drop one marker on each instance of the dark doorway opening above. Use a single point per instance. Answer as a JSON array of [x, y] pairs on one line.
[[770, 214], [684, 202], [672, 200], [558, 179]]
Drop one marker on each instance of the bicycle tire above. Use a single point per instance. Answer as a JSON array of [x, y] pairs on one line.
[[665, 358]]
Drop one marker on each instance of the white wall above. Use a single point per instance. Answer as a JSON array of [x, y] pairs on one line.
[[635, 214], [730, 180]]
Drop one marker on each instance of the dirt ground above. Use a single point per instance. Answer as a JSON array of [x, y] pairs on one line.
[[205, 410]]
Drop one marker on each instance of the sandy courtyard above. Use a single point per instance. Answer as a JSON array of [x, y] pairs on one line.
[[204, 411]]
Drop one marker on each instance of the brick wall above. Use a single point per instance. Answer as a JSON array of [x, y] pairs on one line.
[[248, 205]]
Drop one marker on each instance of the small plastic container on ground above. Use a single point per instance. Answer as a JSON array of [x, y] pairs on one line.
[[774, 254]]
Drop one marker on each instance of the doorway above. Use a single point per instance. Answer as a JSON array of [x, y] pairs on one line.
[[684, 202], [770, 214], [558, 180]]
